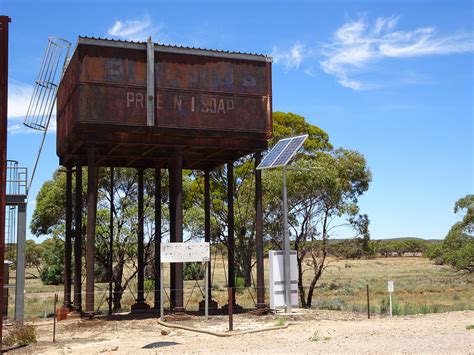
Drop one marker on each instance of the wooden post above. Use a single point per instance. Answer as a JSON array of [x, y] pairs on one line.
[[368, 303], [230, 292], [55, 311], [91, 219]]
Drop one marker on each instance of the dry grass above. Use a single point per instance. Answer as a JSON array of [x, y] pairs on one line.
[[420, 287]]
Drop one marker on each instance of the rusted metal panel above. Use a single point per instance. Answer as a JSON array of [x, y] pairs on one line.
[[4, 23], [198, 93]]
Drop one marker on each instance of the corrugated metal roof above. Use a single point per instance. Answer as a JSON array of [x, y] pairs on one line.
[[174, 48]]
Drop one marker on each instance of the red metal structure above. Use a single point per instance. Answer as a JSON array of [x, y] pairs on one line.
[[215, 105], [4, 23], [151, 106]]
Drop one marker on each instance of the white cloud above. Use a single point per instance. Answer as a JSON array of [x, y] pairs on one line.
[[135, 29], [19, 95], [356, 46], [290, 58], [309, 71], [16, 127]]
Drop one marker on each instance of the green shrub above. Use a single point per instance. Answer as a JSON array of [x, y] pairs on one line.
[[193, 271], [280, 322], [149, 285], [240, 284], [52, 256]]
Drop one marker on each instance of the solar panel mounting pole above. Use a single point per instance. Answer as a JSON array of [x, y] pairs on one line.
[[279, 156], [286, 256]]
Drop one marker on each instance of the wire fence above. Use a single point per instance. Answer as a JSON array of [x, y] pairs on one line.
[[351, 298]]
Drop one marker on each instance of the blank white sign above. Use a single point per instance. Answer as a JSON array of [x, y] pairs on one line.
[[185, 252], [390, 286]]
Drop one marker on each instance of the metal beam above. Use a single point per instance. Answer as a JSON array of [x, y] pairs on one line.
[[140, 301], [68, 240], [174, 49], [101, 158], [157, 264], [78, 242], [150, 83], [230, 229], [111, 239], [259, 234], [172, 208], [207, 225], [20, 265], [140, 246], [178, 167], [4, 23], [286, 248], [91, 220]]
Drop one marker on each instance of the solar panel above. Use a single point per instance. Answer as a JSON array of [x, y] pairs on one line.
[[282, 152], [274, 153]]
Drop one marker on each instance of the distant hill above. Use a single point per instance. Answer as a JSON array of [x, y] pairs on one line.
[[389, 239]]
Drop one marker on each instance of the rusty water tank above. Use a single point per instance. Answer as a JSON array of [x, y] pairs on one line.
[[215, 105]]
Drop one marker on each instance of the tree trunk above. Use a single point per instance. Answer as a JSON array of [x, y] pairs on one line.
[[300, 281], [117, 282]]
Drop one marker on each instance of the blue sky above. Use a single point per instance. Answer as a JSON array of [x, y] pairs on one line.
[[393, 80]]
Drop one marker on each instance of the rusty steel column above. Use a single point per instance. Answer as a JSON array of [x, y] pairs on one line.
[[111, 239], [4, 23], [157, 263], [172, 208], [230, 229], [178, 272], [91, 219], [259, 234], [140, 301], [68, 241], [207, 224], [78, 242], [207, 238]]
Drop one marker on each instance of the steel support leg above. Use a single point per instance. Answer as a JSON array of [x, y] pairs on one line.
[[178, 272], [91, 219], [230, 229], [207, 238], [111, 239], [78, 242], [140, 301], [68, 241], [157, 236], [172, 206], [20, 265]]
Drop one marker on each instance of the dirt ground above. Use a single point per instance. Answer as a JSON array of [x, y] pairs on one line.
[[309, 333]]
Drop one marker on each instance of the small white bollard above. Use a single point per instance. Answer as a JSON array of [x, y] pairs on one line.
[[390, 290]]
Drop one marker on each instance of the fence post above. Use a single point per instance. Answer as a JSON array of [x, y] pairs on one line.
[[368, 303], [54, 317], [231, 309]]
